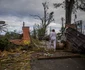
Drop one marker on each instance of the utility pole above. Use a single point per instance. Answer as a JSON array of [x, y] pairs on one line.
[[81, 25], [62, 28], [50, 29]]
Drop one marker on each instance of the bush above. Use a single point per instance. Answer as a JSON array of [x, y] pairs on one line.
[[3, 43]]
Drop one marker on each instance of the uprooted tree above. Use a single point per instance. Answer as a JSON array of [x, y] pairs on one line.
[[45, 20], [71, 6]]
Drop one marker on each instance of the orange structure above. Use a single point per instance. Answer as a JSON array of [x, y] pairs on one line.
[[26, 34], [25, 39]]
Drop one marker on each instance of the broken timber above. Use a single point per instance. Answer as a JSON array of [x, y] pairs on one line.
[[76, 39]]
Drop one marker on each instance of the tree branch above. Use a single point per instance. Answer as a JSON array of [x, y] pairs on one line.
[[56, 5], [82, 7], [38, 17], [50, 18]]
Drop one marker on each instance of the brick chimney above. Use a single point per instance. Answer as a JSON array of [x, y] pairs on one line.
[[26, 32], [25, 39]]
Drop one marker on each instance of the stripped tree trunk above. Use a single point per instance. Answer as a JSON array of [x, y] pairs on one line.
[[69, 6]]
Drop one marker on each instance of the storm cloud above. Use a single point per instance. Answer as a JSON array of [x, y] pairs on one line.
[[14, 12]]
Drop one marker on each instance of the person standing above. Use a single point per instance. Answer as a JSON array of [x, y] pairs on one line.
[[53, 39]]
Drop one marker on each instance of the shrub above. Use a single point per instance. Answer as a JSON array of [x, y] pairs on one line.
[[4, 43]]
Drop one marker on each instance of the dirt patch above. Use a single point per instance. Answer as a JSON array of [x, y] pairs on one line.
[[52, 55]]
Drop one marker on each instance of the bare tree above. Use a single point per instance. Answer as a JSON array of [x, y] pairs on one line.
[[71, 6], [45, 20]]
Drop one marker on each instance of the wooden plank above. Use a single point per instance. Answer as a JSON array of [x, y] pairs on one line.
[[76, 38]]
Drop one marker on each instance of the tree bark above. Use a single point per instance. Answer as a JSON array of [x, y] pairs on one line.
[[69, 7]]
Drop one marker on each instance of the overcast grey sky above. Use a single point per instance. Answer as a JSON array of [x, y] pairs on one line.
[[14, 12]]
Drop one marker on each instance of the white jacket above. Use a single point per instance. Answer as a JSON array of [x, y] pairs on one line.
[[53, 36]]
